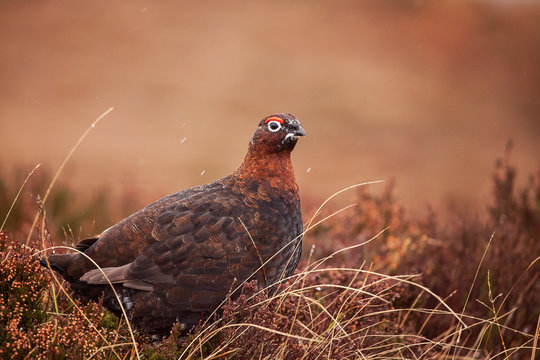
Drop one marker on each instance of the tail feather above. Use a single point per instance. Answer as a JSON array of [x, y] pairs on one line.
[[59, 263], [86, 243], [46, 262]]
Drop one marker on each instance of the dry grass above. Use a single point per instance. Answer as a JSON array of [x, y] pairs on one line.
[[375, 284]]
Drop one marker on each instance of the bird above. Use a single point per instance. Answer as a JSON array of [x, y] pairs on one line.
[[178, 258]]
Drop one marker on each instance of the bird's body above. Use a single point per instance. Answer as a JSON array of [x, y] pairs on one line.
[[176, 259]]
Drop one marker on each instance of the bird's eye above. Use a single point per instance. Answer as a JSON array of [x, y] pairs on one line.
[[274, 126]]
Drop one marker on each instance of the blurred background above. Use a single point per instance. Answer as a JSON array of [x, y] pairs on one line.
[[424, 92]]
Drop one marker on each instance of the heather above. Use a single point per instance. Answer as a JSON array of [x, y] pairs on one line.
[[373, 282]]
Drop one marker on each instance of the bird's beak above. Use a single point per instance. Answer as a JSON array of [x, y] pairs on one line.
[[294, 133], [300, 131]]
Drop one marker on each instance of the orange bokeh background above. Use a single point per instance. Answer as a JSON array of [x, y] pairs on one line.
[[426, 92]]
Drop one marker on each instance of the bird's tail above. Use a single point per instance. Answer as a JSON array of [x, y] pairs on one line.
[[55, 262], [61, 262]]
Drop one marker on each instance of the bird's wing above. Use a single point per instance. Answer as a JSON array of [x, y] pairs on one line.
[[123, 242], [201, 246]]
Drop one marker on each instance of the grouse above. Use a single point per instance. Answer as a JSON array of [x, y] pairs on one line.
[[178, 258]]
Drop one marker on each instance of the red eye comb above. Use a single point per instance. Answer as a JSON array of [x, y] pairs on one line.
[[274, 118]]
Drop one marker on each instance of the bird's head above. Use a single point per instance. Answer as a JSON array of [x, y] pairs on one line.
[[276, 133]]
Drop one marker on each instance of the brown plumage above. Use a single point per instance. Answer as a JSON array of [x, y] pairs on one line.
[[176, 259]]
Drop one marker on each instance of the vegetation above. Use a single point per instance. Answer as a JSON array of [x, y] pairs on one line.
[[373, 283]]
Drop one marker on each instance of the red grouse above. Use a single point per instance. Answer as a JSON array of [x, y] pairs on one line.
[[176, 259]]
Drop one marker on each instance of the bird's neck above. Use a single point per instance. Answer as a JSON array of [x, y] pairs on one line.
[[272, 168]]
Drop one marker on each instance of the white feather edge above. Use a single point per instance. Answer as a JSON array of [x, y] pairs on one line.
[[115, 275]]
